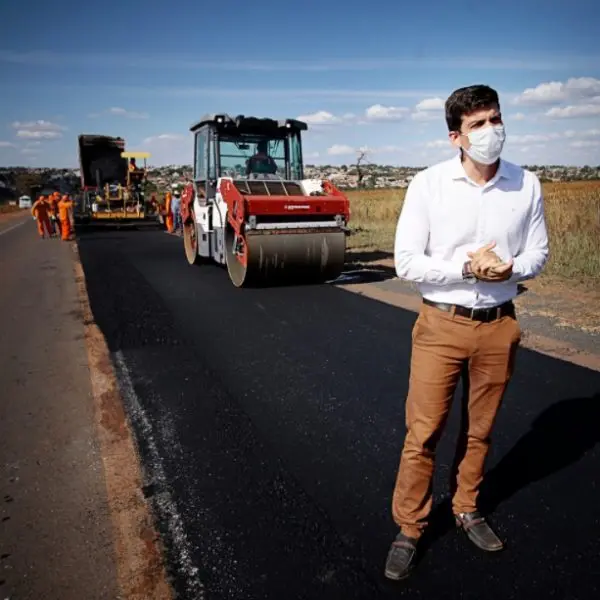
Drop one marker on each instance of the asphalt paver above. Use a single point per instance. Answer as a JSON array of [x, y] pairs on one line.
[[270, 424]]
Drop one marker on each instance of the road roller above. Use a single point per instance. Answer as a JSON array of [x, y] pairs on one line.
[[249, 207]]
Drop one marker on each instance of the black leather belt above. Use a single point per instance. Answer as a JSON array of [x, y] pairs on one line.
[[476, 314]]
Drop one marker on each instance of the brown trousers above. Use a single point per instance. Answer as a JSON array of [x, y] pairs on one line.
[[441, 344]]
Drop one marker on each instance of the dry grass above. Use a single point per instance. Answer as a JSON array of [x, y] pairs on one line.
[[572, 213]]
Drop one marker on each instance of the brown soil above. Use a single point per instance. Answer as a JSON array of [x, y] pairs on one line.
[[566, 304], [11, 215]]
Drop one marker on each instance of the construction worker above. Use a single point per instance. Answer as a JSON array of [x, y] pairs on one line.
[[136, 176], [261, 162], [54, 220], [41, 211], [64, 208], [176, 210], [168, 213]]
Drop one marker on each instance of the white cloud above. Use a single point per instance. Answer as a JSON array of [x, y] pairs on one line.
[[164, 138], [582, 134], [121, 112], [340, 150], [130, 114], [575, 88], [517, 117], [43, 135], [574, 111], [585, 144], [6, 144], [431, 104], [391, 149], [40, 129], [346, 150], [438, 144], [324, 117], [378, 112], [528, 149], [40, 125], [321, 117], [167, 149], [423, 116], [437, 153], [429, 109], [532, 138], [387, 149]]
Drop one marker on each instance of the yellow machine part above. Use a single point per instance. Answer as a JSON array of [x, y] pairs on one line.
[[120, 214]]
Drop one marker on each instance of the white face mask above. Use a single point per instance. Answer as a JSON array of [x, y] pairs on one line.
[[486, 144]]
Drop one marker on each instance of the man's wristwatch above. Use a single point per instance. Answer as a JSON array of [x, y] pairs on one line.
[[467, 273]]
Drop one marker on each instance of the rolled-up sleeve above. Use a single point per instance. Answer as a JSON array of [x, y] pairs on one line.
[[412, 235], [534, 255]]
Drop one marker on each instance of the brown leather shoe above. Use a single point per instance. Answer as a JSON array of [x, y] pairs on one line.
[[479, 531], [401, 557]]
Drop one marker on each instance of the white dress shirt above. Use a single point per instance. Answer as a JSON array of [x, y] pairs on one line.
[[446, 214]]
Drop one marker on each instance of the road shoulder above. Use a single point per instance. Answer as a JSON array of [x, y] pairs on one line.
[[141, 571], [551, 326], [56, 538], [73, 519]]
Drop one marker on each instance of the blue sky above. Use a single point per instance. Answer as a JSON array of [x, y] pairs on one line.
[[363, 75]]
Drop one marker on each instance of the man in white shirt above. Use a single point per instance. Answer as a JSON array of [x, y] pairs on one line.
[[470, 229]]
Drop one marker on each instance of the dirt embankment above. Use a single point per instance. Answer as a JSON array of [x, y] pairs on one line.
[[10, 213]]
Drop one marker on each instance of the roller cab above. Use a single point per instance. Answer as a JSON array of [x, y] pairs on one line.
[[250, 208]]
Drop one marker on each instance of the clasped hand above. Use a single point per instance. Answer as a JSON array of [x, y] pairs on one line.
[[486, 265]]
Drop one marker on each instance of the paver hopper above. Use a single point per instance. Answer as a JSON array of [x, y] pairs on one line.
[[250, 208], [112, 188]]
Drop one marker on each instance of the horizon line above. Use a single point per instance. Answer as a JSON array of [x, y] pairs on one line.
[[347, 164]]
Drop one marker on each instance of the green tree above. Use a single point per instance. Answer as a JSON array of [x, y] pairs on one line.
[[25, 181]]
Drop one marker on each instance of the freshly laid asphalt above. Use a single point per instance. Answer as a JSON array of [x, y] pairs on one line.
[[271, 422]]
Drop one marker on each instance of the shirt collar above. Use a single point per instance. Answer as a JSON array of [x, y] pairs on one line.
[[457, 171]]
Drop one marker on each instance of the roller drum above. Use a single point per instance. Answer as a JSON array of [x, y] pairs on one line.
[[289, 257]]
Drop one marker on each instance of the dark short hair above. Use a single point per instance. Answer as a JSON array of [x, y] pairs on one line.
[[466, 100]]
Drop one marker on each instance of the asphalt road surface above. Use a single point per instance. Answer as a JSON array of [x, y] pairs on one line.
[[55, 536], [271, 423]]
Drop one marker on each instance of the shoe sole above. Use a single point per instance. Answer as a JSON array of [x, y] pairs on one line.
[[484, 548], [394, 577]]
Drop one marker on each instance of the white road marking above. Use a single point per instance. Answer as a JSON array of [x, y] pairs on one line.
[[13, 227], [162, 498]]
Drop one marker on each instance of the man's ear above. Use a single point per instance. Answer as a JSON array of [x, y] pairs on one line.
[[454, 137]]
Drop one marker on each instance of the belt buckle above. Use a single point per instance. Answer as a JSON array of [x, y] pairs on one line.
[[484, 313]]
